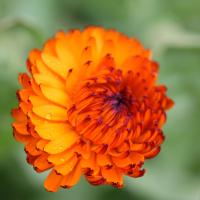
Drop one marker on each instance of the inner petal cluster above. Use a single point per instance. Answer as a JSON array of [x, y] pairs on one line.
[[103, 109]]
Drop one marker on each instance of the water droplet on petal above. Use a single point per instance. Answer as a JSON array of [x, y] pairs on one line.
[[48, 116]]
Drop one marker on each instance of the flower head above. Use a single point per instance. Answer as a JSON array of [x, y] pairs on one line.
[[90, 105]]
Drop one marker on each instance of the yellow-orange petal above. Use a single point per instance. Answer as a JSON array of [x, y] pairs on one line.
[[55, 65], [49, 80], [38, 100], [51, 112], [60, 158], [64, 54], [62, 143], [51, 130], [41, 144], [57, 96]]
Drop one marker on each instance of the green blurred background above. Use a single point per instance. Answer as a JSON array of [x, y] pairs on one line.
[[171, 28]]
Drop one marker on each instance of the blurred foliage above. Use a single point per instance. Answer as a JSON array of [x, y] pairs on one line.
[[171, 29]]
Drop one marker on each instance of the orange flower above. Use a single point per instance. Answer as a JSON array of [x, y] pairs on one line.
[[90, 105]]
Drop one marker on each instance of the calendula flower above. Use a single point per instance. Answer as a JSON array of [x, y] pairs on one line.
[[90, 105]]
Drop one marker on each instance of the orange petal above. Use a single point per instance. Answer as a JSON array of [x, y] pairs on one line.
[[21, 127], [31, 147], [24, 79], [49, 47], [90, 162], [103, 160], [122, 162], [18, 115], [147, 116], [21, 138], [52, 182], [24, 94], [144, 136], [112, 175], [41, 163], [35, 87], [152, 153], [25, 107], [98, 34], [137, 146], [107, 48], [67, 167], [95, 180], [136, 158], [73, 177], [84, 150], [33, 56], [133, 63], [137, 172]]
